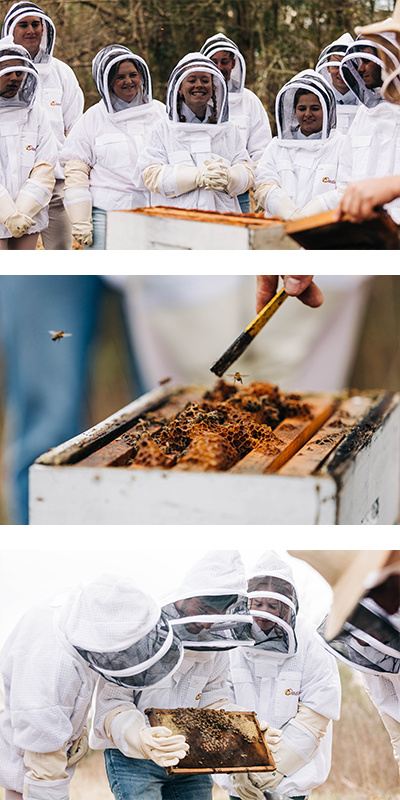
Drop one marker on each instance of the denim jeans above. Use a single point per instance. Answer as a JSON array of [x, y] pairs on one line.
[[140, 779], [299, 797], [99, 230], [245, 202]]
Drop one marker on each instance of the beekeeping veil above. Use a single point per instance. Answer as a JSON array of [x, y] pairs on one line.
[[121, 633], [332, 55], [386, 37], [109, 57], [363, 626], [196, 62], [209, 611], [238, 75], [273, 605], [310, 81], [23, 9], [9, 53], [349, 71]]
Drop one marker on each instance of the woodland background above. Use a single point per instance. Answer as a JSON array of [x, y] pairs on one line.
[[277, 39]]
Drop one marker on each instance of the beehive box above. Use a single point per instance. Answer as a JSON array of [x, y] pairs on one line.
[[236, 454], [219, 741], [164, 228]]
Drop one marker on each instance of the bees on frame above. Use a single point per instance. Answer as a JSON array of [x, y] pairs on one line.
[[237, 377], [57, 335]]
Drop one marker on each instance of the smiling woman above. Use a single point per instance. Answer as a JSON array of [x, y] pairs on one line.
[[309, 112]]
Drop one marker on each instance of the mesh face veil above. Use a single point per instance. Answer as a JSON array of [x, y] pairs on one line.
[[388, 47], [196, 62], [209, 610], [211, 623], [221, 43], [310, 81], [109, 57], [17, 13], [273, 607], [9, 55], [332, 55], [349, 71], [148, 662], [370, 638]]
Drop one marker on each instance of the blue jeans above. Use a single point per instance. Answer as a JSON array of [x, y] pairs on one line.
[[245, 202], [99, 230], [140, 779]]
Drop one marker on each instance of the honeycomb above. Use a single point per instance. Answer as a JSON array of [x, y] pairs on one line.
[[230, 421]]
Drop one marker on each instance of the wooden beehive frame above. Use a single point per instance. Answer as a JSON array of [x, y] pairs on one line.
[[216, 735]]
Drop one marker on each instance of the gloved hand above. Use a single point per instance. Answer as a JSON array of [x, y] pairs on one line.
[[272, 737], [78, 748], [245, 787], [216, 175], [83, 232], [127, 729], [18, 223], [287, 209], [313, 207], [161, 745]]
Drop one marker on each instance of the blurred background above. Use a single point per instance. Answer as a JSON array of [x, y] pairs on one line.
[[147, 328]]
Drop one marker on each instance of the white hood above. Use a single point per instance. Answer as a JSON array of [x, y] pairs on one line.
[[351, 76], [273, 605], [196, 62], [311, 81], [102, 63], [221, 42], [27, 93], [22, 9]]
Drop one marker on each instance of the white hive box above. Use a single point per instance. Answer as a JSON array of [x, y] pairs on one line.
[[340, 467], [162, 228]]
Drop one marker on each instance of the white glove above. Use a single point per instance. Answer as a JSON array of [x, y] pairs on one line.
[[127, 729], [18, 224], [313, 207], [36, 192], [245, 788], [272, 737], [287, 209], [162, 746], [83, 232], [189, 177], [216, 175], [78, 748]]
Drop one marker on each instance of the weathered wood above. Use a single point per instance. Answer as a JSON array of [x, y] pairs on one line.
[[311, 457], [292, 434], [319, 232]]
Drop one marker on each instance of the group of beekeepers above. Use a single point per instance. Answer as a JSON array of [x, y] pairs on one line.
[[220, 640], [204, 148]]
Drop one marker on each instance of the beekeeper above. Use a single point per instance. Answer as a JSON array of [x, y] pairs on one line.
[[27, 152], [328, 66], [59, 94], [50, 664], [362, 197], [195, 157], [369, 149], [101, 152], [209, 614], [290, 681], [296, 176], [363, 626], [245, 108]]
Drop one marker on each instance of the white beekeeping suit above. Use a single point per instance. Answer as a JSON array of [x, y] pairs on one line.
[[59, 92], [27, 151], [50, 664], [245, 108], [289, 681], [297, 174], [384, 692], [192, 164], [100, 155], [347, 103], [218, 579], [371, 148]]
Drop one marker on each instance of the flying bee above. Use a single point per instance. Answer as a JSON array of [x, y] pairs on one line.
[[57, 335], [237, 377], [162, 381]]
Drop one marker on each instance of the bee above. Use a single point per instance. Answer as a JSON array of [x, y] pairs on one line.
[[163, 380], [237, 377], [57, 335]]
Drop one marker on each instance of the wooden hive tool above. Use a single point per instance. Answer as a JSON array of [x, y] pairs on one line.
[[245, 338]]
